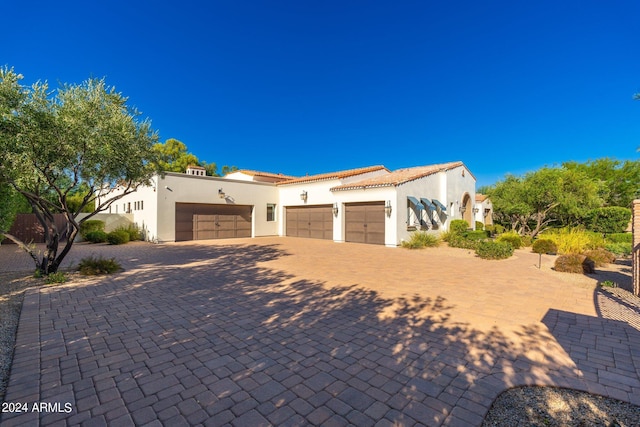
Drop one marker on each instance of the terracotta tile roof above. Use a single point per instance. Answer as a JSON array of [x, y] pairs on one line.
[[400, 176], [195, 167], [334, 175], [264, 174], [481, 197]]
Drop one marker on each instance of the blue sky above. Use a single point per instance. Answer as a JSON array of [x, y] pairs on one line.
[[314, 86]]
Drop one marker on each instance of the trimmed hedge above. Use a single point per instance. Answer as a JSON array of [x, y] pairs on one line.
[[118, 237], [494, 250], [574, 263], [458, 241], [458, 226], [89, 226], [96, 236], [544, 246], [600, 256], [512, 238]]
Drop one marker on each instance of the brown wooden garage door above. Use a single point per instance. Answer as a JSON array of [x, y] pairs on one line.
[[364, 222], [315, 222], [196, 221]]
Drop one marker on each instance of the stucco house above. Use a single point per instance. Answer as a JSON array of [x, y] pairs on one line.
[[364, 205], [483, 211]]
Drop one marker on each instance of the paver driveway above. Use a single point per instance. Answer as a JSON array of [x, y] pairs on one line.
[[287, 331]]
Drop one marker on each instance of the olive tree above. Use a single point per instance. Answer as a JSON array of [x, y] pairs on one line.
[[81, 140]]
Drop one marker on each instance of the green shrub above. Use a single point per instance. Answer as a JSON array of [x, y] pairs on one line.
[[620, 249], [620, 238], [544, 246], [89, 226], [608, 219], [512, 238], [57, 277], [494, 250], [118, 237], [458, 226], [527, 241], [132, 230], [421, 239], [479, 225], [573, 240], [96, 236], [458, 241], [91, 266], [574, 263], [475, 235], [600, 256], [494, 229]]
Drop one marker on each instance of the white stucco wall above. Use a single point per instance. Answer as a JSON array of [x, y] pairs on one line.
[[457, 186], [430, 187]]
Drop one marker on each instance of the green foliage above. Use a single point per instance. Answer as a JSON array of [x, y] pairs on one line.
[[544, 246], [57, 277], [494, 250], [609, 284], [459, 241], [573, 240], [132, 230], [91, 266], [63, 150], [511, 237], [620, 238], [574, 263], [475, 235], [609, 219], [174, 157], [118, 237], [421, 239], [96, 236], [620, 249], [527, 241], [458, 226], [479, 225], [600, 256], [9, 206], [89, 226], [494, 229]]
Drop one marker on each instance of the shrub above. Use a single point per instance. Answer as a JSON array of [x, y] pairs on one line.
[[89, 226], [458, 226], [574, 240], [132, 230], [57, 277], [494, 229], [475, 235], [608, 219], [479, 225], [620, 249], [118, 237], [544, 246], [96, 236], [574, 263], [512, 238], [91, 266], [600, 256], [620, 238], [494, 250], [527, 241], [421, 239], [458, 241]]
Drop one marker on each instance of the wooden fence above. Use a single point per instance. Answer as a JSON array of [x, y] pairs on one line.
[[27, 228]]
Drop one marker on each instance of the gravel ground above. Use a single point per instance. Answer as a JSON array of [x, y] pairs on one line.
[[522, 406]]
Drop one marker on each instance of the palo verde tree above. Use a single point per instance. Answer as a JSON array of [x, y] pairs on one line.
[[79, 142]]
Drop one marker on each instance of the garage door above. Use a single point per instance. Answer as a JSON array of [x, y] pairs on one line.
[[310, 221], [364, 222], [195, 221]]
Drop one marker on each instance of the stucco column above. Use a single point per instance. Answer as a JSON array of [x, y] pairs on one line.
[[636, 247]]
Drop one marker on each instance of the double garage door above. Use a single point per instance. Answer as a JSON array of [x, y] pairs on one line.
[[364, 222], [197, 221]]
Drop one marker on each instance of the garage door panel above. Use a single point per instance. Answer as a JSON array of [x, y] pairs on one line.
[[314, 222], [210, 221], [365, 223]]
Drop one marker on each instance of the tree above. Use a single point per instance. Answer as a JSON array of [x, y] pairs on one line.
[[610, 219], [80, 141], [173, 156], [532, 203], [9, 206]]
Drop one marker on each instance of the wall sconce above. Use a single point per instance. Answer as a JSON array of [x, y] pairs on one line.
[[221, 194], [462, 210], [387, 208], [166, 187], [303, 196], [476, 210], [335, 209]]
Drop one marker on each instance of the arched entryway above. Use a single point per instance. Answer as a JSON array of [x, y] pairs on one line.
[[466, 209]]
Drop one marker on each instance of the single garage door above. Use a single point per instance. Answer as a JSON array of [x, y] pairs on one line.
[[364, 222], [197, 221], [310, 221]]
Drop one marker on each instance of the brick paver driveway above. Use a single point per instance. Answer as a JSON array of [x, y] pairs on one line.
[[283, 331]]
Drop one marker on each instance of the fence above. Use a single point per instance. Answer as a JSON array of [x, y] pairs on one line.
[[27, 228]]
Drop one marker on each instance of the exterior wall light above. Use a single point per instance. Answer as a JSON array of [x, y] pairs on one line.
[[476, 210], [335, 209], [462, 210], [221, 194], [303, 196], [387, 208]]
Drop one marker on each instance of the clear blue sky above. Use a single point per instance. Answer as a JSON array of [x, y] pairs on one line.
[[313, 86]]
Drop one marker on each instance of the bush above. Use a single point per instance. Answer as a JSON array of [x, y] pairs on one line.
[[527, 241], [94, 266], [574, 263], [96, 236], [608, 219], [458, 241], [132, 230], [600, 256], [89, 226], [494, 229], [475, 235], [494, 250], [574, 240], [57, 277], [118, 237], [620, 238], [458, 226], [512, 238], [544, 246], [620, 249], [479, 225], [421, 239]]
